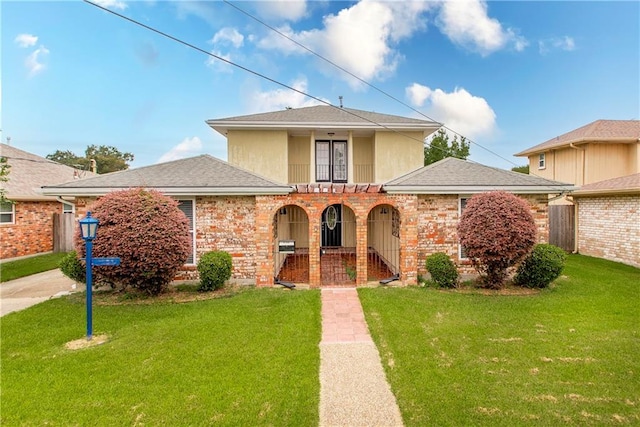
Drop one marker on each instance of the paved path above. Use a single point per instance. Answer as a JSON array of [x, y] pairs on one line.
[[21, 293], [353, 388]]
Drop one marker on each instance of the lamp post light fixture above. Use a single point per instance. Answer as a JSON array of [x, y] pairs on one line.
[[88, 230]]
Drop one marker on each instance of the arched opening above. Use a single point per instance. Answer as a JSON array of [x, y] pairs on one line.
[[383, 242], [291, 245], [338, 246]]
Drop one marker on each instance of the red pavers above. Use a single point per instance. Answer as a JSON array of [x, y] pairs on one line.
[[342, 317]]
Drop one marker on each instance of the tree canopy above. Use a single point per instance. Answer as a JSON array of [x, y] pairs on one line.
[[4, 177], [439, 147], [108, 158], [521, 169]]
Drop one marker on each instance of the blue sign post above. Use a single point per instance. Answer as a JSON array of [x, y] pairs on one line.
[[88, 230]]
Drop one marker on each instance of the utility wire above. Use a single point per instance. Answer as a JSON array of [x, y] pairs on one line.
[[372, 86], [255, 73]]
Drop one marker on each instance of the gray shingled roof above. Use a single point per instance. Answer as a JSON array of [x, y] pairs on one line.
[[200, 175], [29, 172], [629, 184], [613, 131], [321, 117], [455, 176]]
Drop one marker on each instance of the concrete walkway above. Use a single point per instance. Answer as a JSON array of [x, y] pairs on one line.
[[21, 293], [353, 388]]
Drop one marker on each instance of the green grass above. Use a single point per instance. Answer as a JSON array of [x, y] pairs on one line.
[[28, 266], [250, 359], [569, 355]]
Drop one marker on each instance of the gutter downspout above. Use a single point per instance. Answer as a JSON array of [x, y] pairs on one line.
[[66, 202]]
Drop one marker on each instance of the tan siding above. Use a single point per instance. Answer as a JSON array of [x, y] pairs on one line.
[[397, 154], [299, 160], [261, 152], [363, 160], [605, 161], [565, 166]]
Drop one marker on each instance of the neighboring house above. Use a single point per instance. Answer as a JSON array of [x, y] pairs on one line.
[[27, 221], [608, 219], [598, 151], [322, 196]]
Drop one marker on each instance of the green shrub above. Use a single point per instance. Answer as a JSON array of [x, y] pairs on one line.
[[443, 271], [214, 268], [541, 267], [73, 268]]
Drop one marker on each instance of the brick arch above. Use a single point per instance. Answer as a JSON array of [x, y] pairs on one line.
[[290, 224]]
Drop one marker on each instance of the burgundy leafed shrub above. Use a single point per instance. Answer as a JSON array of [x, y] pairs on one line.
[[496, 231], [147, 231]]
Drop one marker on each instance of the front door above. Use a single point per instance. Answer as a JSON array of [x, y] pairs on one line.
[[332, 226]]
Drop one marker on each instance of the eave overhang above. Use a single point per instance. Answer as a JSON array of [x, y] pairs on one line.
[[578, 141], [173, 191], [222, 126], [473, 189]]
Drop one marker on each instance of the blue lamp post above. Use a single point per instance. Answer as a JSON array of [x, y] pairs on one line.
[[88, 229]]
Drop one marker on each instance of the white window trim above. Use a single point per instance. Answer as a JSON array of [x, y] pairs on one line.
[[191, 230], [460, 199], [542, 161], [13, 214], [73, 208]]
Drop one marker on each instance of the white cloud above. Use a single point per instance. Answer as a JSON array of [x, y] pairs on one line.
[[217, 64], [418, 94], [34, 61], [288, 10], [187, 148], [467, 23], [26, 40], [228, 35], [111, 4], [466, 114], [360, 38], [565, 43], [279, 99]]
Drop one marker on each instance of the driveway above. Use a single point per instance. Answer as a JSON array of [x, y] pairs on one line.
[[31, 290]]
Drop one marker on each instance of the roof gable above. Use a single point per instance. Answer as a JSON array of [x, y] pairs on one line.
[[620, 131], [455, 176], [29, 172], [321, 117], [202, 174]]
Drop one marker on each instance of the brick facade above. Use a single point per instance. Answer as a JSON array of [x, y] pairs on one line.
[[32, 230], [244, 227], [608, 227], [438, 217]]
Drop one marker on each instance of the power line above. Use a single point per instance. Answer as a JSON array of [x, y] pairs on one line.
[[361, 79], [348, 111]]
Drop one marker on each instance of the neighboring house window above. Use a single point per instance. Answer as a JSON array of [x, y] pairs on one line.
[[331, 161], [188, 207], [67, 208], [462, 205], [542, 161], [7, 213]]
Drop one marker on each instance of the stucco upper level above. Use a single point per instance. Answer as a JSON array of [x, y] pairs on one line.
[[325, 144]]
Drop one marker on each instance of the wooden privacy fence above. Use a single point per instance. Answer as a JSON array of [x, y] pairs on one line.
[[63, 228], [562, 223]]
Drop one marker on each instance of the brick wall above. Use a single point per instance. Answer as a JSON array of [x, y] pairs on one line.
[[608, 227], [314, 204], [32, 231], [437, 227]]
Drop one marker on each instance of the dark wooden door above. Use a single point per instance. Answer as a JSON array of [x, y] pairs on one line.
[[332, 226]]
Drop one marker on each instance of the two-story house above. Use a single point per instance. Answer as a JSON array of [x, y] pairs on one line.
[[603, 159], [323, 196], [601, 150]]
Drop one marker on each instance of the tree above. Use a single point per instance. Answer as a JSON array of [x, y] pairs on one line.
[[108, 158], [4, 177], [521, 169], [496, 230], [147, 231], [440, 147]]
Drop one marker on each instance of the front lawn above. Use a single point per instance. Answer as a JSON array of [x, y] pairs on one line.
[[24, 267], [250, 359], [568, 355]]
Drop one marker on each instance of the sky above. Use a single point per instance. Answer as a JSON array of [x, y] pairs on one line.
[[507, 75]]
